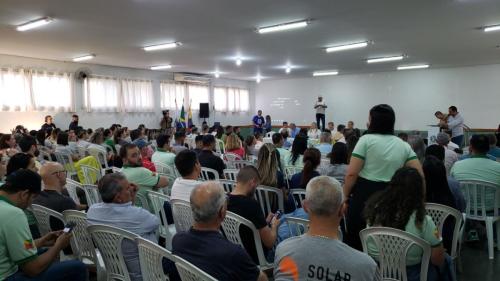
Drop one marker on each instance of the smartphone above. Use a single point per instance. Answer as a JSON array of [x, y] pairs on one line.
[[69, 227], [278, 214]]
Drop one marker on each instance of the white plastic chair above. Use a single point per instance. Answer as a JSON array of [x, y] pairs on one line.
[[92, 194], [297, 226], [100, 155], [183, 215], [164, 168], [393, 245], [89, 173], [67, 162], [109, 240], [43, 215], [292, 170], [189, 272], [157, 200], [483, 203], [267, 140], [85, 249], [205, 174], [151, 257], [116, 169], [439, 213], [231, 227], [298, 195], [44, 154], [219, 146], [228, 156], [267, 197], [82, 151], [238, 164], [270, 134], [230, 174], [72, 186], [228, 185], [141, 200]]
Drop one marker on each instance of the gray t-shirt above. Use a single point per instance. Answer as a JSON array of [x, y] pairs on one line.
[[316, 258]]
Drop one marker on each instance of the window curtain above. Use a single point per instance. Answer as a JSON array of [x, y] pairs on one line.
[[101, 94], [228, 99], [137, 96], [197, 94], [15, 90], [172, 95], [52, 91]]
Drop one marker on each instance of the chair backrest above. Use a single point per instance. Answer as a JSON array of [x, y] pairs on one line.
[[100, 154], [298, 195], [44, 154], [228, 185], [297, 226], [439, 213], [219, 146], [43, 215], [72, 187], [92, 194], [228, 156], [183, 215], [270, 134], [481, 197], [206, 172], [157, 199], [151, 257], [90, 174], [267, 140], [393, 245], [82, 151], [116, 169], [269, 198], [109, 240], [65, 160], [231, 227], [141, 200], [189, 272], [238, 164], [292, 170], [230, 174], [84, 246], [164, 168]]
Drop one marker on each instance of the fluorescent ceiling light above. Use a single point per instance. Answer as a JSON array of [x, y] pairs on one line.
[[160, 67], [346, 47], [258, 78], [162, 46], [492, 28], [82, 58], [238, 61], [384, 59], [415, 66], [34, 24], [216, 74], [325, 73], [283, 26], [288, 70]]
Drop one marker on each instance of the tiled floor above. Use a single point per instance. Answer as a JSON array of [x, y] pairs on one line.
[[476, 265]]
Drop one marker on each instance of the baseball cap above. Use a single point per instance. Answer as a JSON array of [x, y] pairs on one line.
[[141, 143], [442, 138]]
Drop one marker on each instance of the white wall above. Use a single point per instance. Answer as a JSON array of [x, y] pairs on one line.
[[33, 120], [414, 94]]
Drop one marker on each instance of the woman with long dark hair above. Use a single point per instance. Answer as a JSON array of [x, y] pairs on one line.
[[268, 125], [299, 146], [311, 160], [377, 155], [337, 167], [401, 206]]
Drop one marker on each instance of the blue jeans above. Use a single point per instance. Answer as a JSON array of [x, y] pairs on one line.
[[458, 140], [73, 270]]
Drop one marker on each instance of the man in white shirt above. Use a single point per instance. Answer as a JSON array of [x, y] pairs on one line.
[[320, 107], [285, 128], [456, 125], [450, 157], [189, 167]]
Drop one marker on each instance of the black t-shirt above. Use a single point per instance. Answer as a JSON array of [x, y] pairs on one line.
[[209, 160], [55, 201], [48, 127], [215, 255], [248, 208]]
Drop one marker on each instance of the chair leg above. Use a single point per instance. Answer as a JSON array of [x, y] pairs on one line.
[[497, 223], [489, 235]]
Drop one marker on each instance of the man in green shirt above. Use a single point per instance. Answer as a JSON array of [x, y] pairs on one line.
[[163, 153], [19, 257]]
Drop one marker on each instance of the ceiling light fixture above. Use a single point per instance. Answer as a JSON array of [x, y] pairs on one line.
[[288, 69], [346, 47], [238, 61], [325, 73], [161, 67], [34, 24], [258, 78], [82, 58], [162, 46], [283, 26], [491, 28], [384, 59], [216, 74], [415, 66]]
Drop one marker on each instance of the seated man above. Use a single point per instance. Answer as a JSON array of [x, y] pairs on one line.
[[188, 166], [179, 145], [241, 201], [339, 135], [205, 247], [135, 173], [325, 145], [116, 209], [294, 129], [285, 128], [19, 258], [208, 159], [198, 140], [494, 149], [319, 252], [163, 153], [27, 144]]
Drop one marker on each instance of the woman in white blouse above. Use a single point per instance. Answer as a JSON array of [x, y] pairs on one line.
[[313, 132]]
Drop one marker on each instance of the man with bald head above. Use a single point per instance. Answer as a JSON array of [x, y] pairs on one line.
[[205, 247]]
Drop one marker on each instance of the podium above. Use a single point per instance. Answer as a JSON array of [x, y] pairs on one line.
[[432, 133]]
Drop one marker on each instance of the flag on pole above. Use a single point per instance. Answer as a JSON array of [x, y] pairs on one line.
[[190, 116], [182, 119]]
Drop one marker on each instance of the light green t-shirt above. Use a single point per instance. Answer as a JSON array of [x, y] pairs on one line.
[[164, 157], [144, 178], [298, 162], [427, 232], [16, 243], [284, 153], [382, 156]]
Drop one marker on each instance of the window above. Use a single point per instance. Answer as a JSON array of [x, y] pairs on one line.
[[228, 99], [101, 94], [172, 95], [137, 96], [22, 90], [197, 94]]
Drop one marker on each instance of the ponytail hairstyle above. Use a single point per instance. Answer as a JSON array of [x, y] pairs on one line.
[[267, 165], [312, 159], [298, 147]]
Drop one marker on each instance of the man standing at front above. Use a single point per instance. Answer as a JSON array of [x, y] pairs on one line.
[[258, 123], [456, 125], [320, 107]]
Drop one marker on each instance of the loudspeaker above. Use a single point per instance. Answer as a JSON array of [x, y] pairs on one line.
[[204, 111]]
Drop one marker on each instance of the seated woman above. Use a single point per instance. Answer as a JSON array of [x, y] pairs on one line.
[[299, 146], [313, 132], [63, 146], [338, 162], [97, 141], [401, 206], [311, 160], [233, 145], [250, 149], [8, 145]]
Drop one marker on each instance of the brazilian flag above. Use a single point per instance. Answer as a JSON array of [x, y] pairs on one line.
[[182, 119]]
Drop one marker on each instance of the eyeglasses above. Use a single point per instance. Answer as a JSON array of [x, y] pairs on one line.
[[57, 172]]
